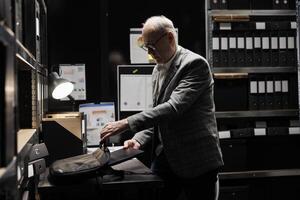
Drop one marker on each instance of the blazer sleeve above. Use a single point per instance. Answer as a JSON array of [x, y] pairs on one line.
[[144, 136], [196, 78]]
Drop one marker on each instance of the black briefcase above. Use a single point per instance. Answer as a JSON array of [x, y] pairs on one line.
[[79, 168]]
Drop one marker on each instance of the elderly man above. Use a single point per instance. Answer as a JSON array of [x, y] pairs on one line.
[[181, 124]]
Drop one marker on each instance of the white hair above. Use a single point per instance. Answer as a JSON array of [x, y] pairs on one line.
[[161, 24]]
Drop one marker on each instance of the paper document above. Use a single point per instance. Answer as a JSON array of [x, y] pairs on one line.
[[135, 92]]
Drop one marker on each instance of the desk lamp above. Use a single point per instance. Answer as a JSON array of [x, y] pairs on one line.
[[59, 87]]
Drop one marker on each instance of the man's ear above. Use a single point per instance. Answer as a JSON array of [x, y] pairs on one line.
[[171, 37]]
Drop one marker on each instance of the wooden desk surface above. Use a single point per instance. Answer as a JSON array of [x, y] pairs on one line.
[[136, 173]]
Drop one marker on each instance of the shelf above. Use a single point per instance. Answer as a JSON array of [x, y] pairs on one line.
[[41, 70], [26, 57], [259, 174], [23, 55], [253, 12], [257, 113], [254, 69], [6, 33], [24, 136]]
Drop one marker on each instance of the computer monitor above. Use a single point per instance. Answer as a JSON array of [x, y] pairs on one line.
[[97, 115], [134, 89]]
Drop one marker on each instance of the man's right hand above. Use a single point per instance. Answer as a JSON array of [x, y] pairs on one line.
[[131, 144]]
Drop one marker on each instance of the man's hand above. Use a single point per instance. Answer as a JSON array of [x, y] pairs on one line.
[[131, 144], [114, 128]]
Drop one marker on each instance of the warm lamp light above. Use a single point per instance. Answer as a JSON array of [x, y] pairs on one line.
[[59, 87]]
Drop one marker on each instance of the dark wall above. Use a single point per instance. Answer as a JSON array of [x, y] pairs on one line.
[[89, 31], [74, 37], [189, 18]]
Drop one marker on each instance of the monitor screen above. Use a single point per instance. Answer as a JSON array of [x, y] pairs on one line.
[[134, 88], [97, 115]]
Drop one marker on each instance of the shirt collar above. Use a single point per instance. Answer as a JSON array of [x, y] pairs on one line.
[[166, 66]]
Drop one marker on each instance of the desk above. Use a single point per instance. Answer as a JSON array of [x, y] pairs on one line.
[[138, 183]]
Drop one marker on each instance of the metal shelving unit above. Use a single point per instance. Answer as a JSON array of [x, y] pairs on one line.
[[210, 14], [25, 74], [259, 174], [257, 113], [298, 47], [254, 70], [25, 56], [239, 172]]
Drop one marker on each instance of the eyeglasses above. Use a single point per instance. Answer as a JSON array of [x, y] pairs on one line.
[[150, 46]]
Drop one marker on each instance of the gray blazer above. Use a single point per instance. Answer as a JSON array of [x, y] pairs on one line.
[[184, 113]]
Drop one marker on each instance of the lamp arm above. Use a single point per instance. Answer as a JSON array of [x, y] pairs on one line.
[[73, 101]]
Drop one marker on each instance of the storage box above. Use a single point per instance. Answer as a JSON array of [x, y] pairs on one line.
[[64, 135]]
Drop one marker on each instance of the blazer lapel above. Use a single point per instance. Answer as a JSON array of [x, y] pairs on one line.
[[171, 72], [154, 87]]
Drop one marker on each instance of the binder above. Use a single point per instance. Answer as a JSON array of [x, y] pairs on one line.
[[269, 92], [214, 4], [240, 50], [257, 51], [224, 26], [223, 4], [284, 4], [224, 50], [274, 131], [266, 55], [240, 26], [253, 93], [260, 25], [224, 134], [277, 92], [282, 50], [285, 93], [291, 48], [285, 25], [249, 49], [292, 25], [216, 26], [274, 49], [216, 51], [259, 131], [276, 4], [293, 89], [273, 25], [261, 93], [241, 133], [232, 50]]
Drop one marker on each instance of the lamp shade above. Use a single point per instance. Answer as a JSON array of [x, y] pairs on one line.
[[59, 87]]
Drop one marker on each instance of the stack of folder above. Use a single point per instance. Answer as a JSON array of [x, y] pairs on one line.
[[272, 91], [255, 43]]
